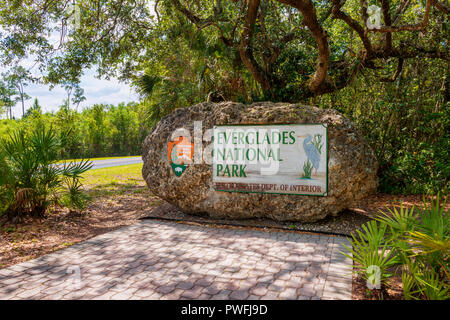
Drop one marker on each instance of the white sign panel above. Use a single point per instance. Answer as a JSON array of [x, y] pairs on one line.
[[282, 159]]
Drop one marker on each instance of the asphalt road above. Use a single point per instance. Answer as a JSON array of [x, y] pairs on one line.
[[98, 164]]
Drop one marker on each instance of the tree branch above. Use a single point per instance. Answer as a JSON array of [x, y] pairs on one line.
[[409, 50], [338, 14], [202, 23], [307, 9], [385, 6], [401, 8], [245, 49], [397, 72], [441, 6], [156, 10]]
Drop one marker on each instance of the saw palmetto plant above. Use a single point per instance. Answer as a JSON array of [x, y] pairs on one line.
[[31, 180], [370, 249], [416, 241]]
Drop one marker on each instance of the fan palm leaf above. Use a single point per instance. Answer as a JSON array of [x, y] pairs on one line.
[[145, 84]]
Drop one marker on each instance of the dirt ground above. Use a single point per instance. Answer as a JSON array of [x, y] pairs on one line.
[[61, 228]]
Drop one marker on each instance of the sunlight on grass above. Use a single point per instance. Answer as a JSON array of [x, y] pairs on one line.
[[114, 180]]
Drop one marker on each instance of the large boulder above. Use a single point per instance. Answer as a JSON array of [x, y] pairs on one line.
[[352, 165]]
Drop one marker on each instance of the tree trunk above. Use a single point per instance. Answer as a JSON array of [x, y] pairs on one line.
[[245, 47], [23, 105]]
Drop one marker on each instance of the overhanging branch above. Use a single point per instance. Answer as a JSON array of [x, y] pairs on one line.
[[415, 27], [245, 47], [308, 10]]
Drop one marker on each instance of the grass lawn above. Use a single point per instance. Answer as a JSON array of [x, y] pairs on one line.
[[114, 180], [92, 159]]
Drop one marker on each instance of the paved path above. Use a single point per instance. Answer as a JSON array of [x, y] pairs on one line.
[[165, 260]]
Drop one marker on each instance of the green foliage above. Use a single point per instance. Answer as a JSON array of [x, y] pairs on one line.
[[406, 122], [75, 198], [30, 180], [18, 77], [417, 243], [98, 131], [34, 108], [370, 249], [145, 83], [8, 97]]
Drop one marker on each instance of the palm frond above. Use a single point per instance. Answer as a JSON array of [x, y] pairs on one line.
[[75, 169], [145, 84], [399, 221], [428, 243], [369, 249]]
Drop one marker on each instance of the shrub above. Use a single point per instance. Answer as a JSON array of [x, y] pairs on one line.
[[30, 178], [370, 250], [426, 170], [418, 243]]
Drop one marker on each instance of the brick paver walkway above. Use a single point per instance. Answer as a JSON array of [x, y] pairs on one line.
[[165, 260]]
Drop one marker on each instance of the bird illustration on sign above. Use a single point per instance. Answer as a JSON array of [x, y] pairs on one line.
[[312, 146]]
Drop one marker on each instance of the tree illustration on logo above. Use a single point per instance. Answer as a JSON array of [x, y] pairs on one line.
[[180, 152]]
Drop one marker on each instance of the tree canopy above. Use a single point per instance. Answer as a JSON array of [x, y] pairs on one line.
[[293, 49]]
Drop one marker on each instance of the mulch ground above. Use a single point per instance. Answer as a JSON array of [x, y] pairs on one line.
[[392, 290], [344, 224], [61, 228]]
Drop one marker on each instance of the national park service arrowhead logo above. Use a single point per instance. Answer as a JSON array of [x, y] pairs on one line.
[[180, 152]]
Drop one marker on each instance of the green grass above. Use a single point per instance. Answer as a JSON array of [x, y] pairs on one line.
[[114, 180], [92, 159]]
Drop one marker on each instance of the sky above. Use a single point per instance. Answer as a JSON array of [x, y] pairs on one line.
[[95, 91]]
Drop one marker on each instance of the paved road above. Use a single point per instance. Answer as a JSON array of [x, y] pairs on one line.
[[98, 164], [166, 260]]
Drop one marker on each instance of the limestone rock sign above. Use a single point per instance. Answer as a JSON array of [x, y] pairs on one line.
[[275, 160]]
